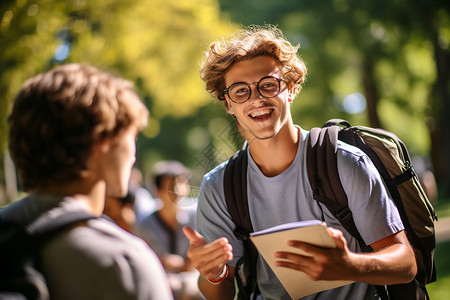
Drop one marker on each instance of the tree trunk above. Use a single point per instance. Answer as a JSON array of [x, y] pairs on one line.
[[371, 91], [440, 136]]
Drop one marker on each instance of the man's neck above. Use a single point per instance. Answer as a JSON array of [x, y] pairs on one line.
[[92, 194], [276, 154]]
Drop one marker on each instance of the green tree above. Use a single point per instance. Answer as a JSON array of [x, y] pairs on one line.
[[156, 44]]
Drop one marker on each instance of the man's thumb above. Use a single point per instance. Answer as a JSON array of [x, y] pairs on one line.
[[193, 236]]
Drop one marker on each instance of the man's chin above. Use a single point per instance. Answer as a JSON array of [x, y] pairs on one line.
[[260, 136], [117, 193]]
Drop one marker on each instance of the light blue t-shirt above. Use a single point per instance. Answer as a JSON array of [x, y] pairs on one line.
[[288, 197]]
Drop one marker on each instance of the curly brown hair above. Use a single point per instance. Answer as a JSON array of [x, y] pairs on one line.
[[59, 115], [246, 44]]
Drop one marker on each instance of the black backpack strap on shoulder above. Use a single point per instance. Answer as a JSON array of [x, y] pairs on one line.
[[235, 189], [323, 175]]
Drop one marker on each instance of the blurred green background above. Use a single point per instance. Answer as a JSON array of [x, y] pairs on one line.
[[381, 63]]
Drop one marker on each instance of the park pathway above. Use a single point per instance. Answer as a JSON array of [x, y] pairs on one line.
[[442, 228]]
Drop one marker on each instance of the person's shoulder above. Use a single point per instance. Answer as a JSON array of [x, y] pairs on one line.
[[351, 159], [29, 208], [350, 151], [212, 184], [215, 175], [101, 248], [343, 149], [101, 237], [101, 245]]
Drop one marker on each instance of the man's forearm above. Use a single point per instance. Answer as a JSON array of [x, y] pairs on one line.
[[393, 265]]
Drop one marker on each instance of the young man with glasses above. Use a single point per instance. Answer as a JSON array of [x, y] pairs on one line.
[[256, 75]]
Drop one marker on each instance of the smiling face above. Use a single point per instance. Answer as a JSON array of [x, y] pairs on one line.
[[259, 117]]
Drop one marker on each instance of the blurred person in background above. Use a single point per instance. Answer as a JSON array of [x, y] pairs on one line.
[[163, 229], [144, 203]]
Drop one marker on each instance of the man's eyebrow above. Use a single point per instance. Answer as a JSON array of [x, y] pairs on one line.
[[239, 82]]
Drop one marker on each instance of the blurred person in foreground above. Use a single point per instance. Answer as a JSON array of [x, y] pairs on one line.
[[163, 229], [257, 74], [72, 136]]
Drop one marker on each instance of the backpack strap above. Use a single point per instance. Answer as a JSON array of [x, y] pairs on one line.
[[323, 175], [235, 189]]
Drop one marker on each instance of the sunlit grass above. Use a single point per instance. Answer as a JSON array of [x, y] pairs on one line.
[[443, 208], [441, 288]]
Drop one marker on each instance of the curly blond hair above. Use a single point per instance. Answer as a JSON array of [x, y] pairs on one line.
[[59, 115], [246, 44]]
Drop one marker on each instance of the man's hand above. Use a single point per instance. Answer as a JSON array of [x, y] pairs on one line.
[[208, 259], [392, 262], [324, 263]]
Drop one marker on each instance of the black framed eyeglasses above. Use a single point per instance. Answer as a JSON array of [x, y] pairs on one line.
[[268, 87]]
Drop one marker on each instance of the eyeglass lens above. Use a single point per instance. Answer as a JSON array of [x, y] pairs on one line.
[[268, 87]]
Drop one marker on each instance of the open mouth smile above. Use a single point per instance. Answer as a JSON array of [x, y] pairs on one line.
[[261, 114]]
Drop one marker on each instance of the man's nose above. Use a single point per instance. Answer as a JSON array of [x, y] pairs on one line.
[[255, 93]]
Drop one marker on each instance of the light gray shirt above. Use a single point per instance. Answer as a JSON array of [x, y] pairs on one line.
[[287, 197], [96, 261]]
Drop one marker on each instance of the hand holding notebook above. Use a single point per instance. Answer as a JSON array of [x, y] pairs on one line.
[[274, 239]]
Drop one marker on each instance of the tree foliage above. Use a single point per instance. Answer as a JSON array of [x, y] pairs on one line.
[[157, 44]]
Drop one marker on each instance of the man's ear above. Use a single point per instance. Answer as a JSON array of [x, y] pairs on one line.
[[104, 146], [230, 108], [291, 94]]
